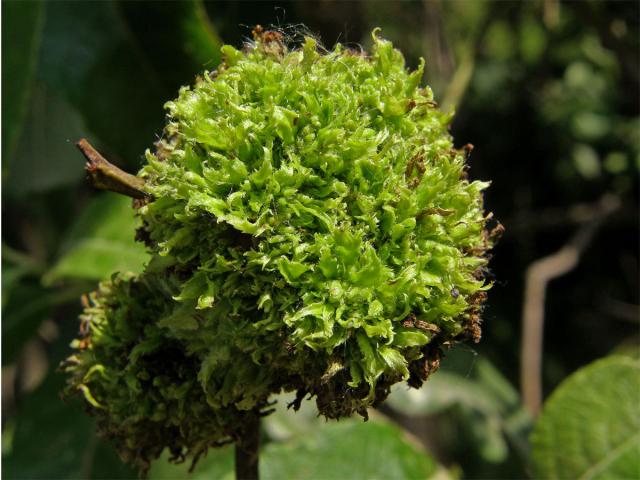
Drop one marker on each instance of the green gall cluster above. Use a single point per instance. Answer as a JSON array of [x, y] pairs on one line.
[[312, 229]]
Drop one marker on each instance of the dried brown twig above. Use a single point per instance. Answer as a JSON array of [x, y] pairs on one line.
[[105, 176]]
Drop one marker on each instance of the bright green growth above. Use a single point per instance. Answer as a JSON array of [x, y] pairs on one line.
[[312, 229], [590, 426]]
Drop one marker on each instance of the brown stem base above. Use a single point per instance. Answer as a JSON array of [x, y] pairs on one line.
[[248, 451]]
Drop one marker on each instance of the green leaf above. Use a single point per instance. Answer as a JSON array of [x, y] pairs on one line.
[[348, 449], [52, 439], [27, 305], [629, 347], [21, 28], [94, 258], [486, 402], [25, 302], [45, 156], [218, 463], [181, 318], [394, 359], [476, 389], [306, 446], [100, 243], [590, 426], [16, 267], [89, 59], [291, 271], [117, 72], [182, 42]]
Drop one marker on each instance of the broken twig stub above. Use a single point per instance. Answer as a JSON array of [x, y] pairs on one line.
[[105, 176]]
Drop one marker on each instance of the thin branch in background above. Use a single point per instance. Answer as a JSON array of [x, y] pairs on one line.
[[459, 82], [434, 40], [626, 312], [551, 13], [538, 275], [463, 74], [526, 222], [105, 176]]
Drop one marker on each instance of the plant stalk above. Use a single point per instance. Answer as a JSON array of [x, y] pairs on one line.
[[248, 450], [105, 176]]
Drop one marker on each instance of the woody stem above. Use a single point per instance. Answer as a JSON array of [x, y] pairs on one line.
[[248, 450], [105, 176]]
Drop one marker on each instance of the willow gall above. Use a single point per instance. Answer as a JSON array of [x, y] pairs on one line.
[[312, 229]]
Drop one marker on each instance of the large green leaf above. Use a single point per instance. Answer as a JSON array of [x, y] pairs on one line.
[[336, 450], [348, 449], [306, 446], [182, 43], [302, 446], [88, 57], [45, 156], [218, 463], [118, 72], [629, 347], [54, 439], [66, 447], [100, 243], [590, 426], [21, 27]]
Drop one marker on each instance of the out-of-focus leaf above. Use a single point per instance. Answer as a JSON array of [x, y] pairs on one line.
[[586, 161], [532, 39], [15, 267], [304, 446], [25, 302], [182, 42], [53, 439], [88, 57], [117, 72], [11, 276], [27, 305], [45, 156], [482, 389], [218, 464], [590, 426], [500, 40], [100, 243], [481, 395], [444, 390], [96, 258], [285, 424], [629, 347], [348, 449], [21, 27]]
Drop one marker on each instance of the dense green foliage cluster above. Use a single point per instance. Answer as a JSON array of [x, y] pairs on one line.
[[312, 230], [140, 383], [547, 92]]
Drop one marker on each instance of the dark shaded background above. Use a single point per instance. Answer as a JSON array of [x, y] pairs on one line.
[[546, 91]]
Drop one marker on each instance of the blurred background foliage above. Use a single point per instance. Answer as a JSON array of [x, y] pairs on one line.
[[547, 91]]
